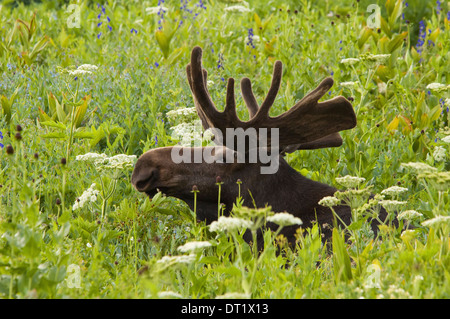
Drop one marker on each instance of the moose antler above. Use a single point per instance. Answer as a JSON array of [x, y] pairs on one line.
[[308, 124]]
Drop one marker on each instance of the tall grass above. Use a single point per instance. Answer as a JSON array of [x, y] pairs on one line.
[[119, 244]]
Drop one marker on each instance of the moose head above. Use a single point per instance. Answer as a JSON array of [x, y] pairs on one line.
[[309, 124]]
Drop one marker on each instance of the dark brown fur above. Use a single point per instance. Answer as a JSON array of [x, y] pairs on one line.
[[309, 124]]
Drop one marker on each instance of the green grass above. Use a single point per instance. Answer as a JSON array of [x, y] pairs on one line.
[[110, 247]]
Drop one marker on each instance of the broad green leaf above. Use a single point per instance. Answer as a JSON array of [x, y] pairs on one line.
[[81, 110], [341, 259]]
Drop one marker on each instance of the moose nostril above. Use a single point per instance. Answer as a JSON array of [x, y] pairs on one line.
[[143, 180]]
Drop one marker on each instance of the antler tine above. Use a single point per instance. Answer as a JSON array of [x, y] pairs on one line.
[[198, 85], [249, 97], [314, 96], [273, 90], [230, 104]]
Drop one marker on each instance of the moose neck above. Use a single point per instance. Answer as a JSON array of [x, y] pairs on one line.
[[286, 190]]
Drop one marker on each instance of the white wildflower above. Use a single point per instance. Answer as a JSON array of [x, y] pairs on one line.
[[79, 72], [419, 167], [439, 180], [229, 224], [89, 195], [394, 190], [350, 181], [120, 161], [169, 295], [188, 134], [284, 219], [348, 84], [377, 58], [382, 87], [391, 205], [91, 157], [88, 67], [436, 86], [437, 221], [208, 135], [102, 161], [380, 57], [188, 114], [238, 8], [88, 245], [194, 246], [210, 83], [153, 10], [183, 259], [439, 154], [329, 201], [446, 139], [409, 215], [350, 61]]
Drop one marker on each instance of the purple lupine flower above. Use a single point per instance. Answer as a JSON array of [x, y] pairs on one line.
[[134, 30], [250, 38], [99, 24], [422, 35], [1, 138], [156, 64], [109, 27], [220, 62], [438, 7], [99, 35]]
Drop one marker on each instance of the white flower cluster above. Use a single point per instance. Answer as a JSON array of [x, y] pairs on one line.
[[187, 114], [409, 215], [394, 190], [391, 205], [83, 69], [350, 61], [229, 224], [447, 138], [348, 84], [437, 87], [284, 219], [419, 167], [89, 195], [194, 246], [437, 221], [376, 58], [439, 154], [238, 8], [183, 259], [120, 161], [329, 201], [350, 181], [103, 162]]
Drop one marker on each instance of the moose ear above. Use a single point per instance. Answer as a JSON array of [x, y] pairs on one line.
[[332, 140]]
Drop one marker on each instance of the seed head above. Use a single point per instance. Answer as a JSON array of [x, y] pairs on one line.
[[9, 149]]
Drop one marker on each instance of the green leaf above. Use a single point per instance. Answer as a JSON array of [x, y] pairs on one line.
[[341, 259], [81, 111], [52, 123], [395, 13]]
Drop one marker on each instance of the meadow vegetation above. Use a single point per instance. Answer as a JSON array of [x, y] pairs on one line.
[[87, 88]]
